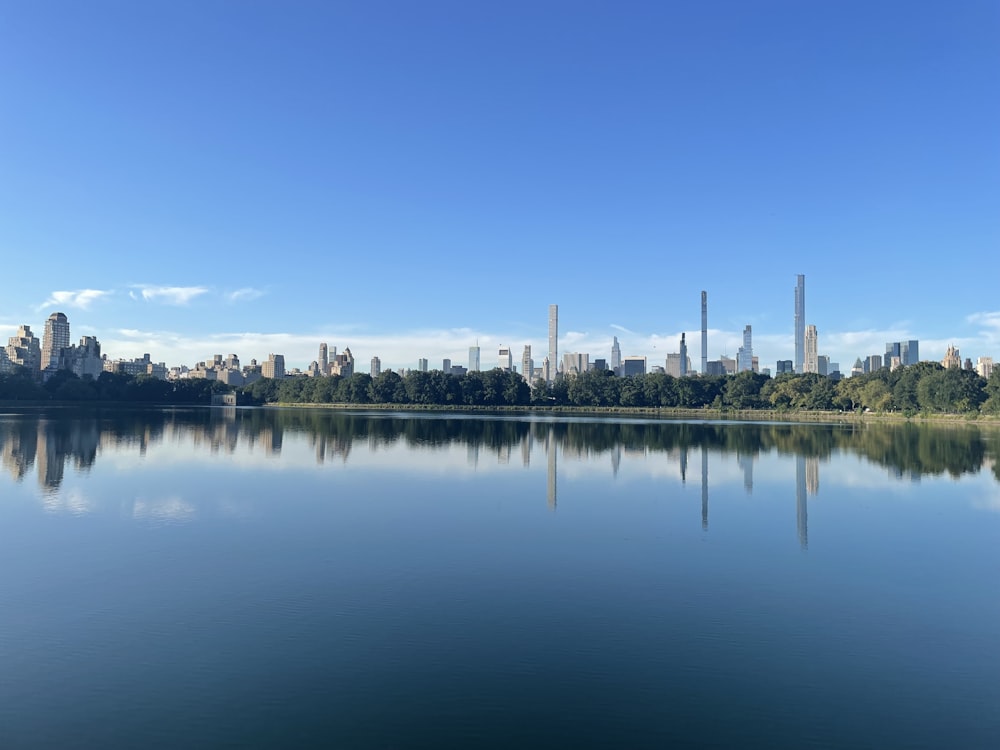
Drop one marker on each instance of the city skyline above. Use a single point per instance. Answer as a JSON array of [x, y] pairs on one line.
[[187, 204], [479, 358]]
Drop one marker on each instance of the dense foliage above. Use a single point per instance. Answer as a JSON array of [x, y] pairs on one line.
[[923, 388], [145, 389]]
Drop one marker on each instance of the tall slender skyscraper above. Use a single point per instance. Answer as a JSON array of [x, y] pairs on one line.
[[616, 356], [553, 340], [684, 357], [744, 357], [474, 358], [800, 324], [527, 364], [324, 359], [54, 340], [704, 333]]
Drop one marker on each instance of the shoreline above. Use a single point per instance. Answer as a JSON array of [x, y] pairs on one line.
[[726, 415]]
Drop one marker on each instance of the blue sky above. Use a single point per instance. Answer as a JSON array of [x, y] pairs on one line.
[[192, 178]]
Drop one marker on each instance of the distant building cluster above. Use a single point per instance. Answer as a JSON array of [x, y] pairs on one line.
[[54, 353]]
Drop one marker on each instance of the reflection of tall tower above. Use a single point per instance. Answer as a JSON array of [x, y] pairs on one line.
[[684, 463], [704, 333], [704, 488], [800, 324], [812, 475], [745, 461], [472, 455], [801, 509], [616, 459], [526, 450], [553, 341], [550, 454]]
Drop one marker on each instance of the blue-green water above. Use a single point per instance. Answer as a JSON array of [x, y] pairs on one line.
[[266, 578]]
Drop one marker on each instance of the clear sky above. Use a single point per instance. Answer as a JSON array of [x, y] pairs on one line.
[[193, 178]]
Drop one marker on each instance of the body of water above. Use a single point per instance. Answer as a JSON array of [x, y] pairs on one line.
[[282, 578]]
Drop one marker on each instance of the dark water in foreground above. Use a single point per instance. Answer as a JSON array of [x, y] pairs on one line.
[[260, 578]]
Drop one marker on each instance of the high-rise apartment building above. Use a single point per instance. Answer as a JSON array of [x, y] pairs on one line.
[[811, 363], [274, 367], [684, 357], [446, 366], [575, 363], [744, 356], [376, 367], [422, 364], [800, 325], [474, 358], [324, 359], [23, 349], [633, 366], [616, 356], [505, 360], [553, 340], [704, 333], [784, 366], [527, 363], [952, 358], [54, 340], [84, 359], [984, 366], [673, 365]]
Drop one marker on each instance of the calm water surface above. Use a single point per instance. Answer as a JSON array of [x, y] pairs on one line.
[[265, 578]]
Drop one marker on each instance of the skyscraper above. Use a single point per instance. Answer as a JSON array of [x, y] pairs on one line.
[[800, 324], [376, 367], [505, 359], [324, 359], [616, 356], [527, 364], [422, 364], [474, 358], [811, 363], [704, 333], [553, 340], [684, 357], [54, 340], [744, 357]]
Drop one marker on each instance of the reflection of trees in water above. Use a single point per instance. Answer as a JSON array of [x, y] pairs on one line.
[[48, 439]]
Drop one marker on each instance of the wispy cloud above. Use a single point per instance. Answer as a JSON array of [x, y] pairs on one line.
[[246, 294], [168, 295], [80, 299]]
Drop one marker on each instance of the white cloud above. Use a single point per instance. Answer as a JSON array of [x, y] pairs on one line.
[[80, 299], [170, 295], [246, 294]]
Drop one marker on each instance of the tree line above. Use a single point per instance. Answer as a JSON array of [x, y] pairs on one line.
[[926, 388]]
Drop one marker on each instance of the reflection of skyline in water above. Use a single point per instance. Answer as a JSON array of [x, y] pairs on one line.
[[44, 443]]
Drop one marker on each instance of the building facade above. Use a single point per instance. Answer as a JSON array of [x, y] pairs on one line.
[[553, 340], [54, 339], [473, 359], [744, 357], [811, 363], [800, 324], [274, 367]]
